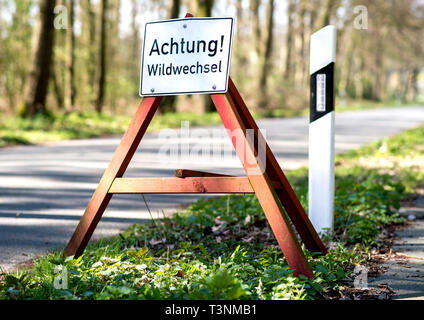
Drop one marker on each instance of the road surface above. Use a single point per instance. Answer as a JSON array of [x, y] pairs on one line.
[[44, 189]]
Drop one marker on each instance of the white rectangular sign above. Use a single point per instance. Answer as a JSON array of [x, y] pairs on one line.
[[320, 103], [186, 56]]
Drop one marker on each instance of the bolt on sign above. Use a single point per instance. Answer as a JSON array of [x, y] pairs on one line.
[[186, 56]]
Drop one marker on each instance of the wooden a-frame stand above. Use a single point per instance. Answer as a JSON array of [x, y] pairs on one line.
[[271, 186]]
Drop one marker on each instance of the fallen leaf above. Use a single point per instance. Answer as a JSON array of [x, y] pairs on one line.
[[180, 273]]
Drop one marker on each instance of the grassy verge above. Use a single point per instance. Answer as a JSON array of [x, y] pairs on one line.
[[77, 125], [222, 248]]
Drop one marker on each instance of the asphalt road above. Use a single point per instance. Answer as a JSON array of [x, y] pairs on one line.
[[44, 189]]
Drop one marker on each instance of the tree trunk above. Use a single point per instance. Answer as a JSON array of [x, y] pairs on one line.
[[254, 9], [169, 102], [327, 11], [35, 100], [174, 9], [346, 70], [313, 14], [102, 57], [135, 53], [266, 67], [240, 51], [288, 74], [19, 32], [407, 84], [91, 45], [71, 58], [193, 7], [58, 93], [360, 78], [415, 89], [377, 86], [112, 48], [303, 74], [205, 10]]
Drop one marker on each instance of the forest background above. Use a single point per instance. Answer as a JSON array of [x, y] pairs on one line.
[[65, 56]]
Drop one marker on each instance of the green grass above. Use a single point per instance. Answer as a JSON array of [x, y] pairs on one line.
[[78, 125], [56, 127], [222, 248], [366, 104], [351, 106]]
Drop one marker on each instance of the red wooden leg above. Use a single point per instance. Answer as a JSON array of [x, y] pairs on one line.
[[116, 168], [262, 185], [286, 194]]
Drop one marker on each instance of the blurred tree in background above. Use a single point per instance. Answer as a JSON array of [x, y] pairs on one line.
[[42, 60], [93, 62]]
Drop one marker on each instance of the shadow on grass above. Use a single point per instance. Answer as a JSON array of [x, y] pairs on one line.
[[13, 140]]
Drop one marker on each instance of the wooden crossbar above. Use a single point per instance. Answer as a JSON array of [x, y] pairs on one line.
[[184, 173], [190, 185]]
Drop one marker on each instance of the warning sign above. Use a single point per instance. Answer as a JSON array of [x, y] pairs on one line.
[[186, 56]]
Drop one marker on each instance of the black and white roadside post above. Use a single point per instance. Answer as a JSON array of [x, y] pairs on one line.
[[321, 129]]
